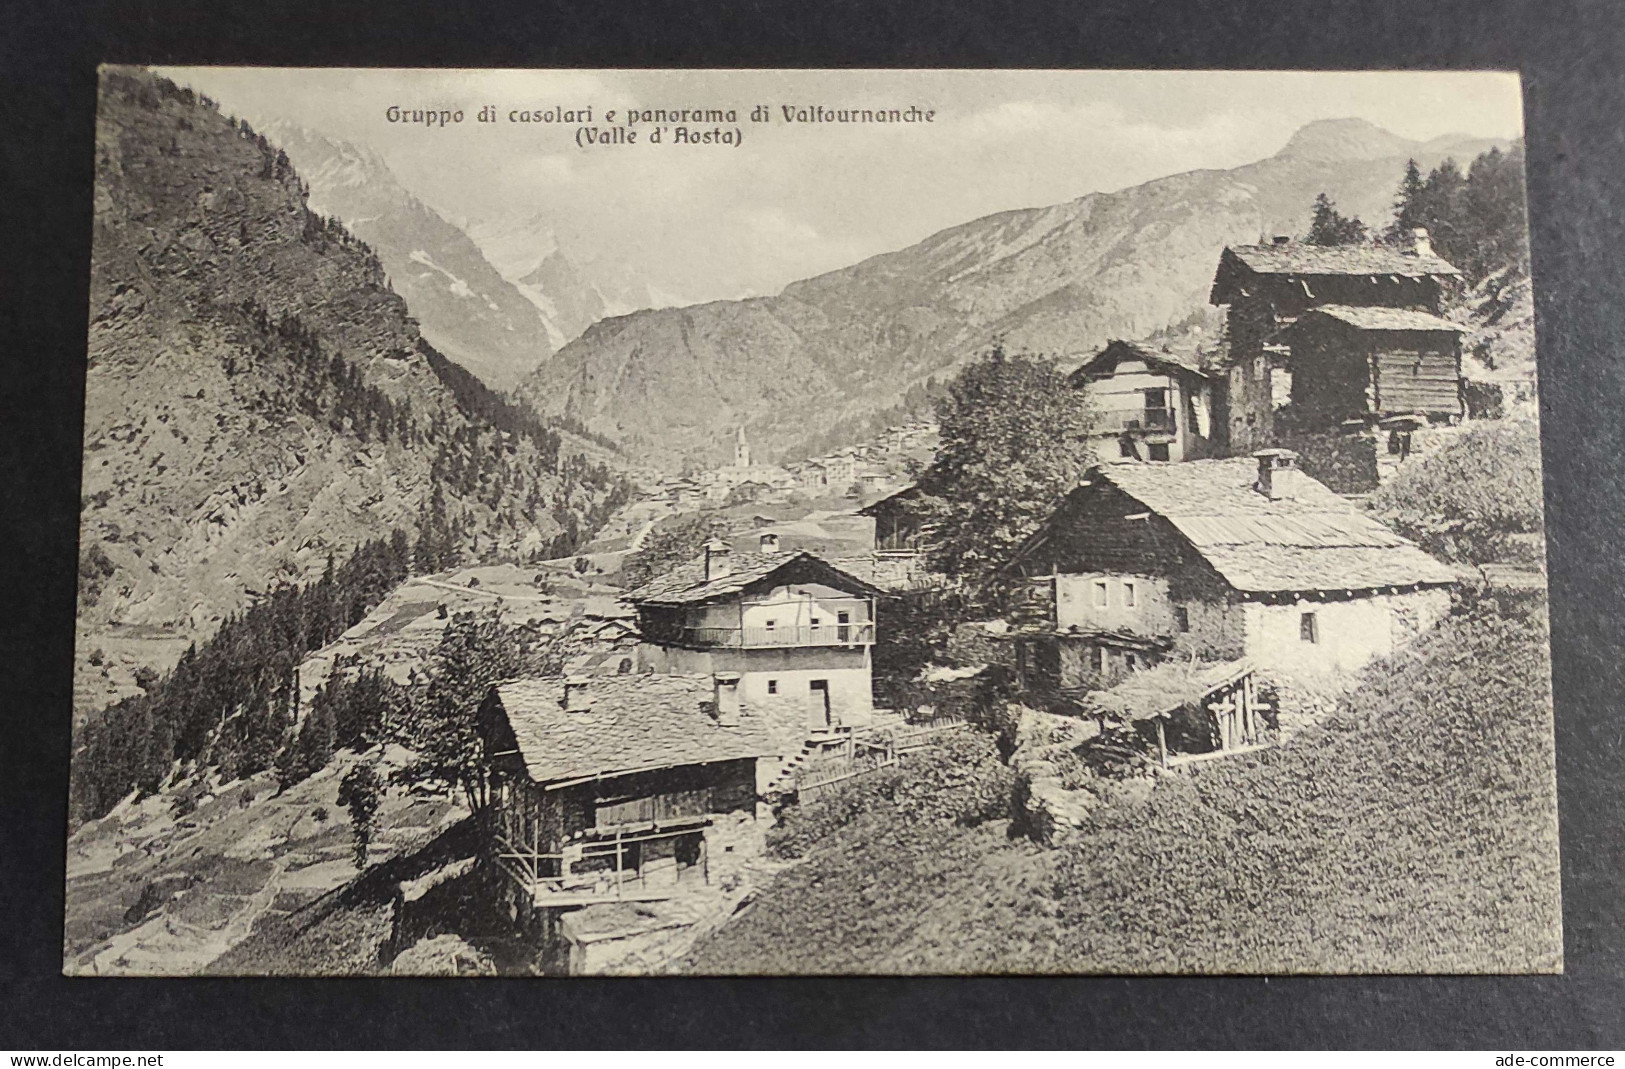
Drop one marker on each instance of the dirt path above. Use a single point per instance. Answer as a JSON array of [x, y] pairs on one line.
[[639, 538]]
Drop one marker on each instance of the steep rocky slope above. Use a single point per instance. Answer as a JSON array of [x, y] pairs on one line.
[[465, 307], [571, 285], [258, 397], [671, 384]]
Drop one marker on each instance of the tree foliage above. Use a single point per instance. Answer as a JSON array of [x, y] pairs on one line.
[[438, 721], [1476, 220], [1470, 499], [359, 792], [1329, 226], [1014, 439], [231, 702]]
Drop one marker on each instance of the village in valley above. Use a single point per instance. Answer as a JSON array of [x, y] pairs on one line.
[[1064, 671]]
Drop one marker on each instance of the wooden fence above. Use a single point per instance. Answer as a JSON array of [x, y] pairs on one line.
[[858, 755]]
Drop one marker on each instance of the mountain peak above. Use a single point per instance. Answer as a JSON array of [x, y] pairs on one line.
[[1344, 139]]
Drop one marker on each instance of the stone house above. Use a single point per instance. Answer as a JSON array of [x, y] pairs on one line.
[[1215, 561], [798, 631]]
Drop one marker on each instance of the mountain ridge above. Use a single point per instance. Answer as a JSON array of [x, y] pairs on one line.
[[463, 304], [837, 348], [258, 398]]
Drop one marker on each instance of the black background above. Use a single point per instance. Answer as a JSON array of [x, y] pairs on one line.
[[1573, 66]]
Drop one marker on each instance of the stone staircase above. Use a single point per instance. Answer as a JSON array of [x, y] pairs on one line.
[[785, 781]]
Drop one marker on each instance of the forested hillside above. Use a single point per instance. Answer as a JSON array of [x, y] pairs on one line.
[[264, 422], [258, 398]]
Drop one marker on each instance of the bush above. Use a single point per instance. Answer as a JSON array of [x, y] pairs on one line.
[[1468, 500]]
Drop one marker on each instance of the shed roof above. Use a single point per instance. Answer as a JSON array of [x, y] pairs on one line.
[[1313, 541], [1370, 318], [1165, 688], [686, 584], [634, 723]]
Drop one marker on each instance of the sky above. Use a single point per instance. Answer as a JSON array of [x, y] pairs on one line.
[[712, 221]]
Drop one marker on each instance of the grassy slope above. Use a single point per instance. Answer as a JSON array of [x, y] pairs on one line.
[[1417, 831]]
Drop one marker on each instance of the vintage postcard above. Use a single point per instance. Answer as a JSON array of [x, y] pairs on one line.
[[544, 523]]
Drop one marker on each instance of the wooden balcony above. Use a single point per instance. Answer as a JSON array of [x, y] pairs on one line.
[[780, 635], [548, 881], [1151, 420]]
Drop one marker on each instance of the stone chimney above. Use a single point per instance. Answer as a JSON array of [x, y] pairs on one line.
[[577, 697], [717, 562], [725, 698], [1278, 474], [1283, 239], [770, 543], [1420, 245]]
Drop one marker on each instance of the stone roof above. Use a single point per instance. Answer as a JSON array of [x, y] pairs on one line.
[[685, 584], [1299, 258], [1313, 541], [905, 493], [633, 722], [1179, 358], [1370, 318]]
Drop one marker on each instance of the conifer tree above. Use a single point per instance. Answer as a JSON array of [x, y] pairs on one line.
[[1407, 204], [1328, 226]]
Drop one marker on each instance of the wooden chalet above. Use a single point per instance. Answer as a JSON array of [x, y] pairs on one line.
[[617, 787], [900, 522], [1150, 404], [1269, 286], [1215, 561]]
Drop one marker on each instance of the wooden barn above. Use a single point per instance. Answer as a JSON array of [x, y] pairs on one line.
[[1269, 286], [900, 522], [1352, 363], [1215, 561]]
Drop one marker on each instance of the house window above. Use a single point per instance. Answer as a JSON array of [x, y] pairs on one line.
[[1100, 593], [1128, 594], [1100, 658], [1182, 617], [772, 686], [1130, 661], [771, 624], [1309, 628], [1157, 451]]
